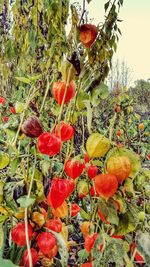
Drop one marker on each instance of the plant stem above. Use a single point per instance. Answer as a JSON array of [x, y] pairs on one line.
[[46, 92], [26, 216]]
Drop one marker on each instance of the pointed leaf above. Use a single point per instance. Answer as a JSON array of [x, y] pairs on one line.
[[23, 79]]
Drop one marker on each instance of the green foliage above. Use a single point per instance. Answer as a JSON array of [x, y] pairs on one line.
[[143, 245], [141, 95], [4, 160]]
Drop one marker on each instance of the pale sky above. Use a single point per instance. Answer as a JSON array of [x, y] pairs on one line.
[[134, 44]]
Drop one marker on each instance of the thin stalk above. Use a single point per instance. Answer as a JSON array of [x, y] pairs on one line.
[[26, 217], [46, 92]]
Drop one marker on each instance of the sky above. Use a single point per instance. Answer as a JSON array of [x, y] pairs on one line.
[[134, 44]]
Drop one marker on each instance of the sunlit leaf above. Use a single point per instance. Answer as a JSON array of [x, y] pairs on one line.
[[23, 79], [26, 201], [4, 160]]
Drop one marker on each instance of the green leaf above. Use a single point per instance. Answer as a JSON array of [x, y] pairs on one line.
[[108, 209], [82, 96], [23, 79], [121, 2], [84, 215], [143, 245], [128, 185], [37, 174], [106, 5], [97, 162], [104, 92], [98, 93], [3, 218], [7, 263], [14, 165], [10, 134], [19, 107], [128, 221], [89, 115], [45, 166], [34, 78], [57, 166], [83, 255], [1, 237], [62, 248], [26, 201], [4, 160]]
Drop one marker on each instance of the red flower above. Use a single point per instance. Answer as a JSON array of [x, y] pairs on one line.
[[54, 225], [59, 191], [88, 34], [74, 209], [6, 119], [89, 241], [66, 131], [92, 171], [12, 110], [49, 144], [2, 100], [25, 258], [18, 234], [58, 91], [74, 168], [46, 242], [106, 185]]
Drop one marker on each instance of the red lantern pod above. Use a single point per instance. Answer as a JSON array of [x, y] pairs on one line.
[[12, 110], [88, 34], [74, 168], [54, 225], [46, 242], [2, 101], [66, 131], [18, 234], [6, 119], [92, 171], [106, 185], [59, 191], [49, 144], [25, 258], [58, 91]]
